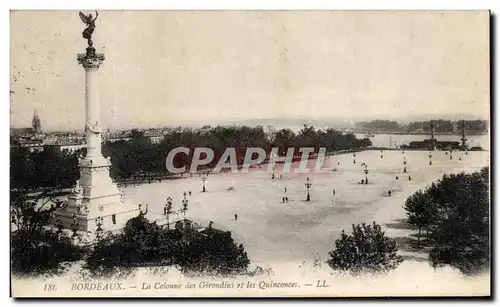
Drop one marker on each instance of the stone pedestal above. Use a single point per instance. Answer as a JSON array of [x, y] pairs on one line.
[[95, 196]]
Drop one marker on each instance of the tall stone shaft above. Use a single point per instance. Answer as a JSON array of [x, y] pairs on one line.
[[91, 62], [96, 202], [92, 110]]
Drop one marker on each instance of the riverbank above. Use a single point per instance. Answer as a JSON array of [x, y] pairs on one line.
[[421, 133]]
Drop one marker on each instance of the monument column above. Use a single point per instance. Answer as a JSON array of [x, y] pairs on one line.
[[91, 61], [96, 201]]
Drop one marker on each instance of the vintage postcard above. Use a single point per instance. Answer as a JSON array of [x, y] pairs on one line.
[[250, 153]]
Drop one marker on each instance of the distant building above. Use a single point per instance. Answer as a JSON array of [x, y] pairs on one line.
[[427, 145], [71, 147], [21, 132], [36, 124], [155, 136], [32, 145], [34, 133]]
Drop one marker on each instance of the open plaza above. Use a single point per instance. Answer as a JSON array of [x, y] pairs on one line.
[[274, 231]]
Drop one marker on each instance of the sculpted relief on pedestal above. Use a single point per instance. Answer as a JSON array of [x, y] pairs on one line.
[[94, 127], [84, 207], [77, 189]]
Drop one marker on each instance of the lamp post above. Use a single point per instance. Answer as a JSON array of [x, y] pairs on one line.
[[98, 231], [308, 185], [204, 177], [142, 213], [430, 158], [366, 175], [354, 157], [168, 210], [185, 205]]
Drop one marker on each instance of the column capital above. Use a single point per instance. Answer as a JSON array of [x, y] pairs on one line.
[[90, 60]]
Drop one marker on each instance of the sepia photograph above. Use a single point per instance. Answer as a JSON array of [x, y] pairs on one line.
[[250, 153]]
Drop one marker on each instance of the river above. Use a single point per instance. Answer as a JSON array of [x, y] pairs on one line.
[[396, 140]]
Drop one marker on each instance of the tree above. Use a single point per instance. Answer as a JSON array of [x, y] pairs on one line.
[[213, 252], [109, 258], [283, 139], [21, 170], [421, 211], [143, 243], [367, 249], [51, 168], [455, 211], [460, 237], [35, 248]]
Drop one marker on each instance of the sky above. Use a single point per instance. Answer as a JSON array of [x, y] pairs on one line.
[[174, 67]]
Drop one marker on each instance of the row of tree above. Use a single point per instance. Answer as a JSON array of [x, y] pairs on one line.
[[50, 168], [378, 124], [440, 125], [455, 214], [139, 158], [142, 243], [140, 155]]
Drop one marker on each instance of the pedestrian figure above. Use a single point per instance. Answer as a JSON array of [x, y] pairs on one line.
[[409, 178], [189, 193], [362, 181], [397, 177], [460, 159], [390, 192], [333, 191], [235, 217], [451, 157], [338, 163], [210, 224], [285, 189], [286, 199], [283, 199]]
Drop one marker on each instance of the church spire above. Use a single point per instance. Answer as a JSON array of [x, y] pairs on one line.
[[35, 123]]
